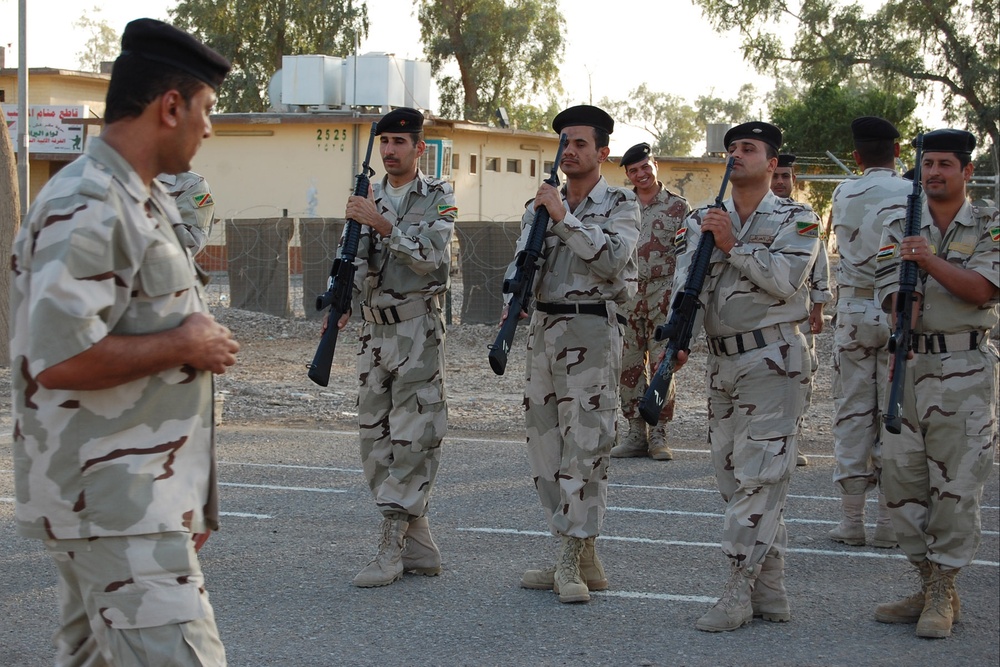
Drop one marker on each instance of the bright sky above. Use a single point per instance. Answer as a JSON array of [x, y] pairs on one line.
[[608, 53]]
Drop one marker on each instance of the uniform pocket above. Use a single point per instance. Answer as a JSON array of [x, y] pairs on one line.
[[764, 458], [165, 270], [150, 604]]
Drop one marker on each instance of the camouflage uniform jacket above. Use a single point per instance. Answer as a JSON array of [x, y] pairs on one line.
[[98, 256], [589, 256], [860, 208], [196, 206], [761, 283], [655, 250], [419, 246], [972, 242]]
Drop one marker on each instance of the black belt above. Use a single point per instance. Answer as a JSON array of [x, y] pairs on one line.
[[599, 309], [938, 343]]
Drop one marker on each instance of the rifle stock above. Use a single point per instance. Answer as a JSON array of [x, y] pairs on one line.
[[900, 340], [679, 327], [341, 283], [521, 285]]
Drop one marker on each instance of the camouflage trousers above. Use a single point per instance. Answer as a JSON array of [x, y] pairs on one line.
[[571, 404], [860, 367], [402, 412], [641, 354], [755, 404], [134, 600], [934, 470]]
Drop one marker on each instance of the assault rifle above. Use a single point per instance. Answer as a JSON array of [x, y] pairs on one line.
[[677, 331], [340, 286], [527, 263], [899, 341]]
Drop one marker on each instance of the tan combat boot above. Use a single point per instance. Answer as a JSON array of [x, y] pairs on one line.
[[634, 443], [420, 553], [658, 443], [851, 529], [734, 609], [387, 566], [769, 598], [885, 534], [909, 609], [801, 459], [568, 579], [938, 614], [590, 567]]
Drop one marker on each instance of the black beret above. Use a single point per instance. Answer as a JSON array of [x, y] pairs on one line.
[[950, 141], [909, 174], [758, 130], [163, 43], [583, 114], [873, 128], [403, 120], [638, 153], [786, 160]]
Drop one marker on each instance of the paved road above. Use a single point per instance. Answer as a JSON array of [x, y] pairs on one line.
[[300, 523]]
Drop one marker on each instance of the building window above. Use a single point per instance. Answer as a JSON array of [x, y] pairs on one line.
[[492, 164], [513, 166], [533, 165], [547, 166], [473, 167], [455, 162]]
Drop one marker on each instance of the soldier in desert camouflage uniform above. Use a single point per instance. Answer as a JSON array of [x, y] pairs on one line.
[[934, 470], [783, 185], [194, 201], [404, 256], [575, 348], [860, 208], [663, 212], [113, 351], [758, 369]]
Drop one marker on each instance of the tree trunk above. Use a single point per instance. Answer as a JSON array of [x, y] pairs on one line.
[[10, 221]]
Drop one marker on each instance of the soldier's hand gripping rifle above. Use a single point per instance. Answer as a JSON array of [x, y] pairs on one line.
[[677, 331], [340, 286], [527, 263], [900, 340]]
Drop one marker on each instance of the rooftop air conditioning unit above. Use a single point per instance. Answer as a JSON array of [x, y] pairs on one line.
[[715, 136], [311, 80]]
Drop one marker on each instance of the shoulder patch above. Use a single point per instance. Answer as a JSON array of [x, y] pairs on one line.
[[886, 252], [808, 228], [680, 240], [995, 234], [201, 201], [446, 210]]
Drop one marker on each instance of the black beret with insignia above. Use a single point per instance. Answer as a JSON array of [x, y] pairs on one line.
[[583, 114], [758, 130], [403, 120], [638, 153], [949, 141], [786, 160], [873, 128], [163, 43]]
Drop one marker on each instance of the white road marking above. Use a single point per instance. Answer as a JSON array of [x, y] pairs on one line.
[[273, 487]]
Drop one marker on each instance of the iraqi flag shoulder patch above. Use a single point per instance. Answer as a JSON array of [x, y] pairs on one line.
[[886, 252]]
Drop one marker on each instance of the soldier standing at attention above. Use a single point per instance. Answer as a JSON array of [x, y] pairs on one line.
[[783, 185], [113, 352], [934, 470], [860, 209], [663, 213], [194, 201], [575, 348], [758, 367], [404, 256]]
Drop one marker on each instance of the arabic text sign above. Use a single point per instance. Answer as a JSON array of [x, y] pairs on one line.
[[47, 131]]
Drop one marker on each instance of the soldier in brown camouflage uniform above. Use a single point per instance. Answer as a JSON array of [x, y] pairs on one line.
[[860, 209], [783, 185], [758, 369], [663, 212], [575, 348], [403, 259], [113, 351], [933, 471]]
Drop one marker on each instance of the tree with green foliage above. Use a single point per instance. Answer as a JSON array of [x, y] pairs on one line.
[[946, 47], [505, 51], [712, 109], [820, 120], [670, 120], [533, 117], [255, 34], [101, 46]]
